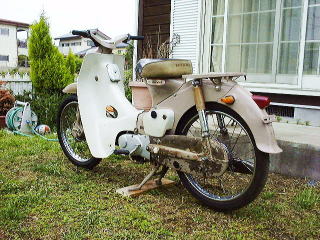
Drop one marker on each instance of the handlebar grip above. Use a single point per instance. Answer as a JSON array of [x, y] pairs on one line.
[[85, 34], [136, 38]]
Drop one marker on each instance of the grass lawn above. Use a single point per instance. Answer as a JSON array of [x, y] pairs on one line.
[[43, 196]]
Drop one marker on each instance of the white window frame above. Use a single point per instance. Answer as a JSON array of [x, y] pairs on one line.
[[310, 81], [285, 81]]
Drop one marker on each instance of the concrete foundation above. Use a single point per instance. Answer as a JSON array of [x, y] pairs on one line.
[[298, 160], [310, 116]]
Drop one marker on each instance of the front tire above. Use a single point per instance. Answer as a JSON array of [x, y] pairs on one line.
[[248, 167], [73, 143]]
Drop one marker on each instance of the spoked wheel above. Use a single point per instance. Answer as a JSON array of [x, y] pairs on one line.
[[71, 135], [248, 167]]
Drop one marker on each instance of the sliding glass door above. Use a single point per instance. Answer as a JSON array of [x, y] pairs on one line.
[[273, 41]]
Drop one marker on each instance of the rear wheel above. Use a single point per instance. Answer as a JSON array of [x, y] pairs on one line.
[[248, 167], [71, 135]]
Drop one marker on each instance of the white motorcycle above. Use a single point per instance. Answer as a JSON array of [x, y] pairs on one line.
[[213, 132]]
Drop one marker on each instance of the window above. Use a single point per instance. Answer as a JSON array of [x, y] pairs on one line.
[[290, 37], [4, 31], [90, 43], [4, 58], [67, 44], [311, 64], [73, 44], [217, 35], [266, 39], [250, 38]]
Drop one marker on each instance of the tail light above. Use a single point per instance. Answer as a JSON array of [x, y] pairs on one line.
[[261, 101]]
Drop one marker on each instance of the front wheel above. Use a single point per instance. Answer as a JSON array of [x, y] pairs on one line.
[[71, 135], [248, 167]]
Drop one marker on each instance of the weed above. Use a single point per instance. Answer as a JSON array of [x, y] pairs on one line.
[[267, 195], [17, 206], [51, 168], [307, 199]]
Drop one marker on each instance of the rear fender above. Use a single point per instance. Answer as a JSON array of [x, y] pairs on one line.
[[244, 106], [263, 133]]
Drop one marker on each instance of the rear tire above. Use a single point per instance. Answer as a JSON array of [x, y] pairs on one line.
[[76, 149], [217, 197]]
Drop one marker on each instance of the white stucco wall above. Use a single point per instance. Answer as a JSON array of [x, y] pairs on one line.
[[8, 46]]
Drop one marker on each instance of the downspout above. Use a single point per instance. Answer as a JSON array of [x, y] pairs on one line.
[[136, 29], [17, 46]]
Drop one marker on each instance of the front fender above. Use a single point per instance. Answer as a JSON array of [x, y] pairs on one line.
[[244, 106], [71, 88]]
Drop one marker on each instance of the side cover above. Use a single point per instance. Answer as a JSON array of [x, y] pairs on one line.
[[244, 105], [157, 122], [96, 92]]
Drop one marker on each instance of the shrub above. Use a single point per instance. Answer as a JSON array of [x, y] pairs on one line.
[[129, 56], [23, 61], [128, 73], [78, 63], [71, 62], [127, 79], [6, 100], [49, 72]]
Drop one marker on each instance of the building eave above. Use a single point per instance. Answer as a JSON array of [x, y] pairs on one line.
[[14, 23], [67, 38]]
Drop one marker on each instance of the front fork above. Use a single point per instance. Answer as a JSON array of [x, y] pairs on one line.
[[201, 107]]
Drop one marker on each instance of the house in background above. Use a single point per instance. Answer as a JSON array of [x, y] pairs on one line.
[[276, 42], [121, 49], [77, 44], [13, 42]]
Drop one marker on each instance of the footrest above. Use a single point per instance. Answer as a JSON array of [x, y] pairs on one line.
[[151, 184]]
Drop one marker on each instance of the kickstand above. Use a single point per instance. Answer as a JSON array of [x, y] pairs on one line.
[[150, 175], [161, 175]]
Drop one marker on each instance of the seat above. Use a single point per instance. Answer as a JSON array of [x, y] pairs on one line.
[[163, 68]]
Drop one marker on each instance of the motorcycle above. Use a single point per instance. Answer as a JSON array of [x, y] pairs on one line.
[[214, 133]]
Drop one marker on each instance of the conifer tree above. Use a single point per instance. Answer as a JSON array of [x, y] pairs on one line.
[[49, 72]]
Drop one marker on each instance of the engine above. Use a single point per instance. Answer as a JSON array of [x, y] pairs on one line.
[[135, 144]]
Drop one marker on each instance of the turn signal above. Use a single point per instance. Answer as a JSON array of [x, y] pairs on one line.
[[228, 100], [110, 109], [261, 101]]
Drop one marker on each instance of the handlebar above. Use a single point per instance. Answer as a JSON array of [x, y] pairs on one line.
[[111, 43], [135, 37], [85, 34]]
